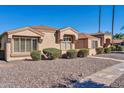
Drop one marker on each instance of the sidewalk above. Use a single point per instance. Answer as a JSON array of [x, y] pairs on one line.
[[108, 75]]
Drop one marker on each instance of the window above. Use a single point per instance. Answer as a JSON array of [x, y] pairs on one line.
[[67, 38], [24, 44], [16, 44], [28, 45], [94, 44], [34, 45], [66, 43]]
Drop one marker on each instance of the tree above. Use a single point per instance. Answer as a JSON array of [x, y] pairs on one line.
[[118, 36]]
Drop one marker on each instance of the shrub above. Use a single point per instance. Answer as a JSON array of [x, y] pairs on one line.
[[52, 53], [72, 53], [83, 52], [113, 48], [36, 55], [99, 50], [120, 48], [107, 50]]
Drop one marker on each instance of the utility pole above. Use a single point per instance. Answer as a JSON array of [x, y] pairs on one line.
[[99, 19], [113, 19]]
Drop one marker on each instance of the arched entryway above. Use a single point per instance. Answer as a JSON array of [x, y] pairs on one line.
[[108, 41]]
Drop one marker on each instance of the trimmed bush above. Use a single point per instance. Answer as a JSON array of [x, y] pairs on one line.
[[107, 50], [83, 52], [120, 48], [113, 48], [36, 55], [52, 53], [72, 53], [99, 50]]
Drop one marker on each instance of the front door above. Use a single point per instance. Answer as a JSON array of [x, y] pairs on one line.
[[66, 43]]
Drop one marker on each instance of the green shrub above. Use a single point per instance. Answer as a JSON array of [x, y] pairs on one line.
[[52, 53], [113, 48], [120, 48], [83, 52], [72, 53], [36, 55], [99, 50], [107, 50]]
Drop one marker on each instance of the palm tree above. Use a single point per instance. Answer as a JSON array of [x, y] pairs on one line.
[[99, 19], [118, 36], [113, 17]]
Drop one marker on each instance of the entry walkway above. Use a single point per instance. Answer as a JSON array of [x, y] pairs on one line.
[[108, 75]]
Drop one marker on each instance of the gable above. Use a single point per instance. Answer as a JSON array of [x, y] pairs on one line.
[[68, 31], [25, 33]]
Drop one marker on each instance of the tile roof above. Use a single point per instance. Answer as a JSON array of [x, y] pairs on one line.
[[43, 28], [116, 41], [98, 33], [85, 36]]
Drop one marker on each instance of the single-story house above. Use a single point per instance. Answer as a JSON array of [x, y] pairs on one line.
[[88, 41], [105, 38], [118, 42], [17, 44]]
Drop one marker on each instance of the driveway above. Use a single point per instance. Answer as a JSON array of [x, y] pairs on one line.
[[48, 73], [112, 55]]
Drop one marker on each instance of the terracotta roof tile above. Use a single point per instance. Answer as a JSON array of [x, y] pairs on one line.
[[44, 28], [84, 36], [116, 41]]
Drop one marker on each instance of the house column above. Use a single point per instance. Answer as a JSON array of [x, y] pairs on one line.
[[7, 51]]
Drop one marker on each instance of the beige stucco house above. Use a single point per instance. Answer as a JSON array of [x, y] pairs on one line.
[[105, 38], [17, 44], [88, 41]]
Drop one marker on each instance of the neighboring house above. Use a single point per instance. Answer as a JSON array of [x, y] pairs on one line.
[[105, 38], [17, 44], [118, 42], [88, 41]]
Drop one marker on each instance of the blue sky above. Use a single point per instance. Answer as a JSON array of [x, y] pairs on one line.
[[82, 18]]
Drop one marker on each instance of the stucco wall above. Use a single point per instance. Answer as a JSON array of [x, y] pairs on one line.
[[90, 42], [68, 32], [92, 51], [49, 41]]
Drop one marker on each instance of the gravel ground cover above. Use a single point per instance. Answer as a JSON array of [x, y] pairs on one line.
[[113, 55], [118, 83], [48, 73]]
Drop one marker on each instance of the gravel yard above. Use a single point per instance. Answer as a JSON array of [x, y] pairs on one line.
[[47, 73], [113, 55]]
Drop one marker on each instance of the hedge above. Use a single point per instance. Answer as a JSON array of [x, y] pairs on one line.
[[99, 50], [107, 50], [83, 52], [36, 55], [72, 53], [120, 48], [113, 48], [52, 53]]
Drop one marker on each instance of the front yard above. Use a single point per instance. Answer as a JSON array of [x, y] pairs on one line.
[[48, 73]]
